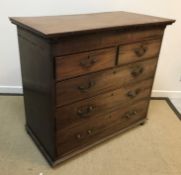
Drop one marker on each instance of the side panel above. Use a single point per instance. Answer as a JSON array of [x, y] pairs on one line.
[[38, 86]]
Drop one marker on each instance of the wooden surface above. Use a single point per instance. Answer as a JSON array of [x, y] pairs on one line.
[[50, 26], [73, 84], [37, 78], [89, 131], [138, 51], [87, 86], [104, 39], [102, 103], [83, 63]]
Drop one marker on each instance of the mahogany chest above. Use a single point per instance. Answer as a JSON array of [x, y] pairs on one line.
[[86, 78]]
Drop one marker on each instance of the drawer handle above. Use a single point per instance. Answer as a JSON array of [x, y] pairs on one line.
[[129, 114], [133, 94], [85, 111], [140, 51], [89, 131], [137, 71], [78, 136], [84, 88], [90, 61]]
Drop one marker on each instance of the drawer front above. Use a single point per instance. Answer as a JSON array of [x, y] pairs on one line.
[[83, 87], [138, 51], [82, 43], [78, 64], [87, 132], [103, 103]]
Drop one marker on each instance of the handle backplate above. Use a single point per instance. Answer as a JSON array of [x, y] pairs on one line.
[[86, 87], [137, 71], [85, 111], [130, 114], [133, 93], [140, 51], [88, 62]]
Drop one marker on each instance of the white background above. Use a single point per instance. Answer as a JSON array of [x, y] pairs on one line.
[[169, 68]]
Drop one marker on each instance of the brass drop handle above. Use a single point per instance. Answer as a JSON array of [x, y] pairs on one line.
[[133, 94], [78, 136], [86, 87], [137, 71], [89, 131], [85, 111], [88, 62], [141, 50], [129, 114]]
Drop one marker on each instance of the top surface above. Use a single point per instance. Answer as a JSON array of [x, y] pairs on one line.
[[50, 26]]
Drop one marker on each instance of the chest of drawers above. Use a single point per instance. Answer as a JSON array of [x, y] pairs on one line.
[[86, 78]]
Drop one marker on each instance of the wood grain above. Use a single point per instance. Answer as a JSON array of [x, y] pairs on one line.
[[87, 86], [88, 131], [82, 79], [37, 77], [83, 63], [51, 26], [102, 103], [138, 51], [99, 40]]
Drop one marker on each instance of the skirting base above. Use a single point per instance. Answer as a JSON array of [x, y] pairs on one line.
[[53, 163]]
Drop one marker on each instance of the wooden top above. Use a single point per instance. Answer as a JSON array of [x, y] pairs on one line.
[[51, 26]]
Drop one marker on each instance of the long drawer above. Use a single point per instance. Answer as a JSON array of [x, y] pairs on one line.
[[87, 132], [103, 103], [82, 43], [87, 86]]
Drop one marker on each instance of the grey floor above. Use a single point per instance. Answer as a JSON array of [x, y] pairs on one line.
[[151, 149], [177, 103]]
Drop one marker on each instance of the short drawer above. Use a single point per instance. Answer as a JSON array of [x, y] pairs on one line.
[[88, 132], [87, 86], [83, 63], [138, 51], [103, 103]]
